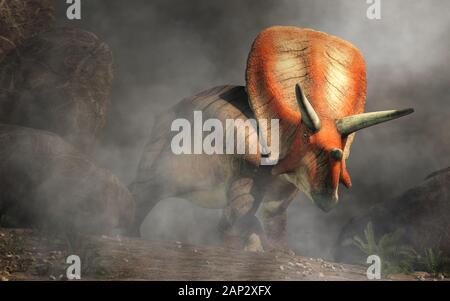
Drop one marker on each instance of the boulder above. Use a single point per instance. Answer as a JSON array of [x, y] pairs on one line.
[[47, 183], [59, 81]]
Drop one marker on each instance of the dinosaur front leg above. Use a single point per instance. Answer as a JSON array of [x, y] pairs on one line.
[[275, 226], [239, 226], [274, 218]]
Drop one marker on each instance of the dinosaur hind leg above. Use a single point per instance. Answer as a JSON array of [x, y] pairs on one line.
[[146, 196], [239, 226]]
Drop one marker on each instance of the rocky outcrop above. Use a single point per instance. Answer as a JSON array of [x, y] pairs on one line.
[[55, 88], [59, 81]]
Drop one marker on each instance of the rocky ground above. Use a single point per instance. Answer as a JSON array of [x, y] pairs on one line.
[[30, 255]]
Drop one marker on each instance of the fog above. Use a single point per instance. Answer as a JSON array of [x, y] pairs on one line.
[[167, 50]]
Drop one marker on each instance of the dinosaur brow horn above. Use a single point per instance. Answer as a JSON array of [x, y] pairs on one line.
[[309, 116], [351, 124]]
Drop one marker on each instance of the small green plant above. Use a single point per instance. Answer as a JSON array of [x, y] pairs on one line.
[[395, 256], [434, 262]]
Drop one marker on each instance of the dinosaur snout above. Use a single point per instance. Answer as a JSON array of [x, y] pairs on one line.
[[325, 201]]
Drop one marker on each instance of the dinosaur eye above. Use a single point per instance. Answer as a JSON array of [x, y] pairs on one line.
[[305, 137]]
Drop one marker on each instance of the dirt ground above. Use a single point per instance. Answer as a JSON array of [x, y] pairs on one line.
[[30, 255]]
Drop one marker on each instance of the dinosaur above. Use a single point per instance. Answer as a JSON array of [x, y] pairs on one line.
[[314, 84]]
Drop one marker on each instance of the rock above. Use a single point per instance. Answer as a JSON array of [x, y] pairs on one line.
[[422, 212], [402, 277], [45, 182], [421, 275], [59, 81], [21, 19]]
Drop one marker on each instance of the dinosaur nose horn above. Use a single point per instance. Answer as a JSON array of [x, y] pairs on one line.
[[337, 154], [351, 124]]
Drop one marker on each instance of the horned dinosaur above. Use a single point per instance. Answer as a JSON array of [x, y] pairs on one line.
[[315, 85]]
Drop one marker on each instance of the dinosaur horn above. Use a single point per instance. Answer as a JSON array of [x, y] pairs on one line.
[[309, 116], [351, 124]]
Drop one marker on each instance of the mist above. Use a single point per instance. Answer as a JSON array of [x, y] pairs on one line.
[[167, 50]]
